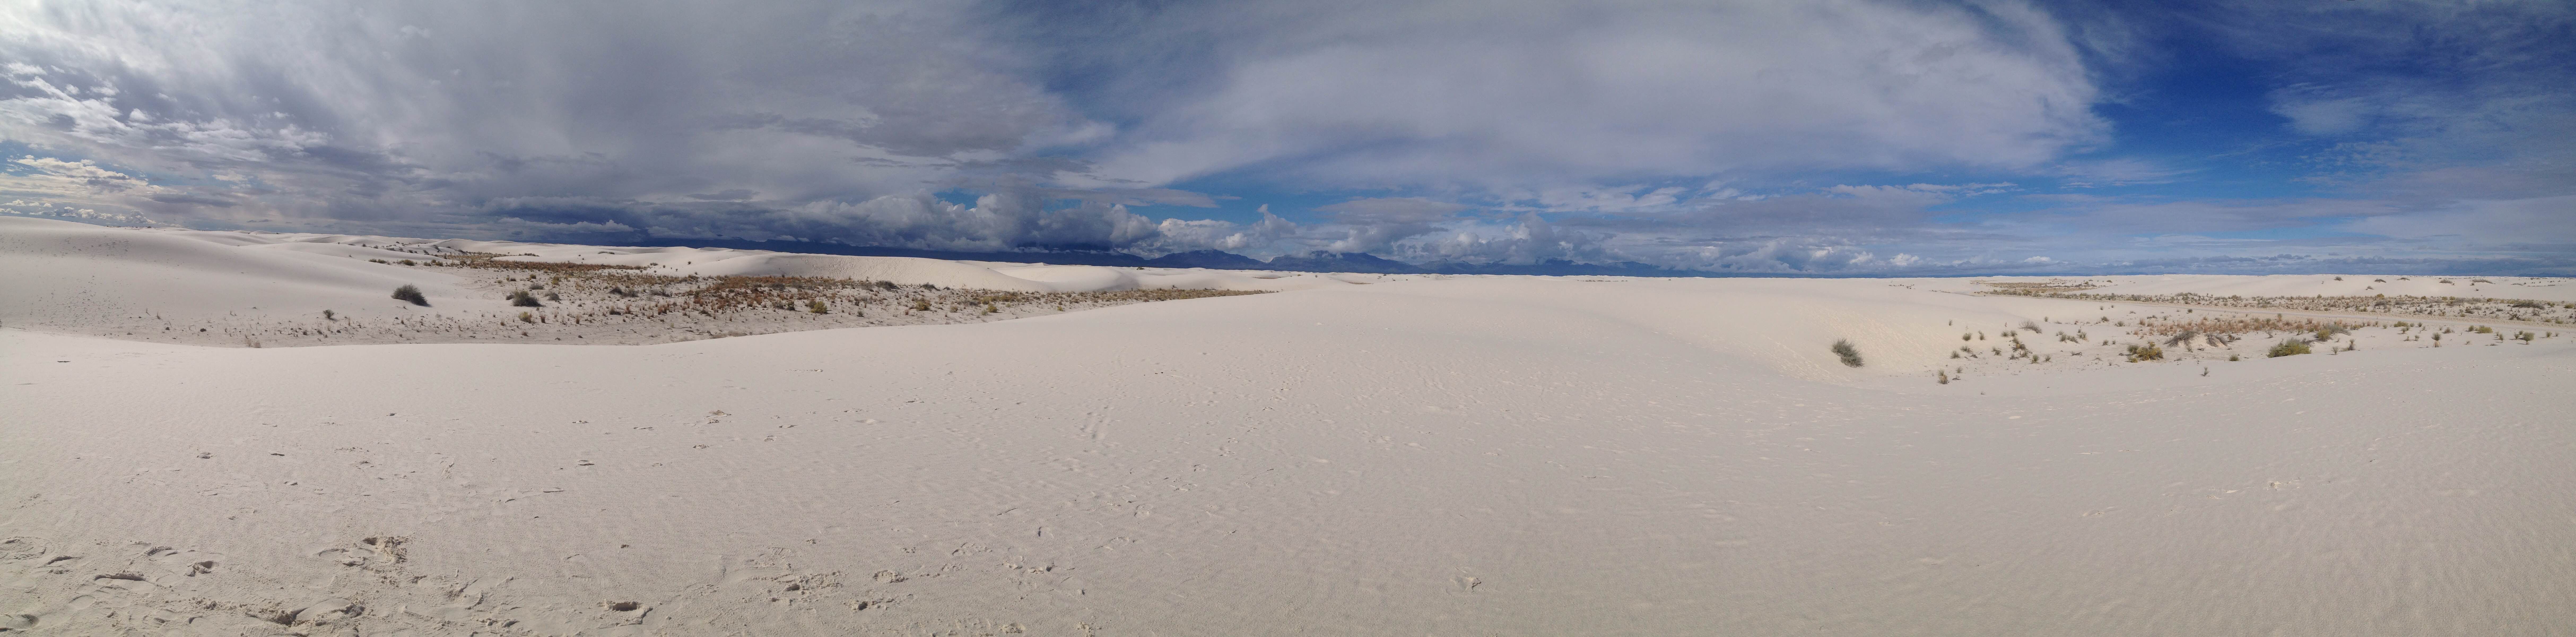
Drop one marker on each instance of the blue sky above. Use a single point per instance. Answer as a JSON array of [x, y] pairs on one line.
[[1831, 137]]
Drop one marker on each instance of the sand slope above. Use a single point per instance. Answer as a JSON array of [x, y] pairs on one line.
[[1473, 456], [272, 288]]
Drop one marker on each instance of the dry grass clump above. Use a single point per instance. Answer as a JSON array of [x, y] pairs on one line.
[[2148, 352]]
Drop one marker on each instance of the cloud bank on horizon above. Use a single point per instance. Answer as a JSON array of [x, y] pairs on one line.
[[1827, 137]]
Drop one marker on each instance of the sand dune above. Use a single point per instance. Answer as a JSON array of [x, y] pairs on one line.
[[1422, 455]]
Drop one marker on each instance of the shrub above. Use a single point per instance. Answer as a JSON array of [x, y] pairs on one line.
[[816, 306], [2148, 352], [1844, 350], [887, 285], [2291, 347], [920, 305], [328, 315], [550, 296], [927, 286], [411, 293], [523, 299], [2233, 358], [1944, 377], [525, 317]]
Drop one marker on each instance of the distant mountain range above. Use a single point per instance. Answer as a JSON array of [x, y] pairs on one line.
[[1318, 261]]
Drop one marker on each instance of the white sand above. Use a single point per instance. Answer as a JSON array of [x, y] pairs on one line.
[[1424, 455]]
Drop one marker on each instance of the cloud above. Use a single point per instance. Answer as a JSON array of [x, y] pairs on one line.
[[2536, 222], [2316, 114], [1740, 135], [1182, 236], [47, 176], [1528, 240], [1392, 210], [417, 109], [1375, 224], [1481, 93]]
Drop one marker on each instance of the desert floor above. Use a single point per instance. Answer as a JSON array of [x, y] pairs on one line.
[[1343, 455]]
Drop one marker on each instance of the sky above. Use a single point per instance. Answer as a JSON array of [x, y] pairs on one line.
[[1821, 137]]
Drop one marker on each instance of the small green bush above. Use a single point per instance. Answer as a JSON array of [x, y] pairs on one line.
[[1844, 350], [523, 299], [2291, 347]]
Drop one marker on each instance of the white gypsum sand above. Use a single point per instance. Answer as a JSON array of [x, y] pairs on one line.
[[1423, 455]]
